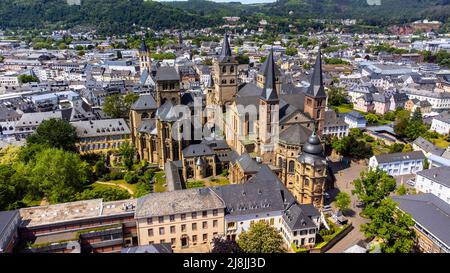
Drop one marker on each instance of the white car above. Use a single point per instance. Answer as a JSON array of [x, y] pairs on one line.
[[410, 182]]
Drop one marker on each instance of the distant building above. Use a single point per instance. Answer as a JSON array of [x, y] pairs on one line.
[[355, 120], [398, 163], [441, 123]]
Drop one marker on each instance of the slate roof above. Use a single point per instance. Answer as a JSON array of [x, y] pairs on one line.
[[269, 92], [173, 179], [167, 73], [5, 219], [395, 157], [144, 102], [333, 119], [261, 194], [296, 134], [247, 164], [439, 175], [197, 150], [148, 126], [166, 112], [225, 53], [153, 248], [444, 117], [428, 211], [424, 144], [317, 89], [298, 217], [103, 127], [176, 202]]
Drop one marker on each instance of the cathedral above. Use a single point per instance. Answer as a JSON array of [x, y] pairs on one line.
[[283, 131]]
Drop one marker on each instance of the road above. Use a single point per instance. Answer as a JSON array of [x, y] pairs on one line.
[[343, 184]]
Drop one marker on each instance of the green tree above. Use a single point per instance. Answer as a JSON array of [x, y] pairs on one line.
[[118, 106], [372, 118], [127, 153], [426, 164], [343, 201], [401, 121], [59, 174], [28, 78], [336, 97], [55, 133], [100, 168], [107, 194], [392, 226], [396, 148], [402, 190], [407, 148], [372, 188], [291, 51], [261, 238]]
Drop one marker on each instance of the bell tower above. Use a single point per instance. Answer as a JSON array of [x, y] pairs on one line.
[[315, 99], [144, 57], [225, 74]]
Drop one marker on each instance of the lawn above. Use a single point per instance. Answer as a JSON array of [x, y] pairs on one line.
[[218, 181], [441, 142], [160, 182], [344, 108]]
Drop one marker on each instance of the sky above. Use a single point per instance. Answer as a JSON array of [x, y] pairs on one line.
[[242, 1]]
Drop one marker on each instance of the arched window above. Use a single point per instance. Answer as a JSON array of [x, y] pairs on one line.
[[291, 166], [224, 69], [280, 162], [231, 69]]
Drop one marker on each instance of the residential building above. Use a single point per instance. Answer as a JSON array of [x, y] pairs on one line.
[[431, 216], [441, 123], [398, 163], [355, 120], [435, 181], [335, 125]]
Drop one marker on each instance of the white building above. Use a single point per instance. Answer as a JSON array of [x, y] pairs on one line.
[[441, 124], [438, 100], [398, 163], [435, 181], [355, 120]]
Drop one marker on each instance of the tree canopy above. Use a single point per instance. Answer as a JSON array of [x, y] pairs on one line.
[[118, 106], [392, 226], [55, 133], [372, 188], [261, 238]]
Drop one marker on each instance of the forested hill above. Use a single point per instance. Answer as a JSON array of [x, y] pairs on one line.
[[119, 16], [113, 16]]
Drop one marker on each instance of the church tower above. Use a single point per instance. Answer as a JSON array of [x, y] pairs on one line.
[[315, 98], [261, 76], [144, 57], [225, 74], [311, 173], [269, 108]]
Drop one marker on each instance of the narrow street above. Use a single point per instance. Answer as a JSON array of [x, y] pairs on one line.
[[344, 178]]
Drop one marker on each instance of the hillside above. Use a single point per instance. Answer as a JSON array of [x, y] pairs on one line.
[[119, 16]]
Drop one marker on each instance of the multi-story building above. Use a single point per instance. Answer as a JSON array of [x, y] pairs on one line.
[[335, 126], [441, 123], [435, 181], [398, 163], [438, 100], [100, 136], [185, 218], [355, 120], [9, 223], [431, 218]]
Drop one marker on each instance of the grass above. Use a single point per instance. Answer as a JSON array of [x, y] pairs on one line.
[[213, 182], [195, 184], [343, 108], [441, 142], [160, 181], [122, 182]]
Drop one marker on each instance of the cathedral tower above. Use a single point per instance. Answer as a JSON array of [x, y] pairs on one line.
[[315, 99], [144, 57], [225, 74]]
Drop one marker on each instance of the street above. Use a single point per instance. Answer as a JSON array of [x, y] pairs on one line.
[[343, 184]]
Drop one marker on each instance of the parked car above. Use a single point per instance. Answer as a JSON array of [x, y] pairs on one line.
[[327, 208], [411, 182], [327, 195]]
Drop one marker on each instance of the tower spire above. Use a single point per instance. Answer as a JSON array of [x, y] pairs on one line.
[[269, 92], [226, 50], [316, 88]]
